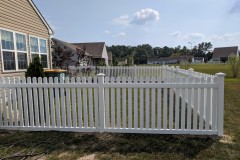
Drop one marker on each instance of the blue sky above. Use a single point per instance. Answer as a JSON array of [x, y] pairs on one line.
[[134, 22]]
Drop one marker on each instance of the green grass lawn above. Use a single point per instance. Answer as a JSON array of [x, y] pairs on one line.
[[62, 145], [213, 68]]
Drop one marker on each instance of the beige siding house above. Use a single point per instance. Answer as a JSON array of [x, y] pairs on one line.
[[24, 33]]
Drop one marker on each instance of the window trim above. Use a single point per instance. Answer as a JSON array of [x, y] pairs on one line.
[[15, 51], [39, 53]]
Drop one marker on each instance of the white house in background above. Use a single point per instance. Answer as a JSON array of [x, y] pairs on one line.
[[198, 60]]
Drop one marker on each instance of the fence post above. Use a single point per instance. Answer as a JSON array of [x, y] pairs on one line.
[[101, 101], [220, 109]]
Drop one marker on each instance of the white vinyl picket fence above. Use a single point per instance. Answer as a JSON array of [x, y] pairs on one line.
[[175, 104]]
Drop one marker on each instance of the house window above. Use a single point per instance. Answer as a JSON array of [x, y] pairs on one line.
[[34, 44], [13, 50], [21, 51], [39, 48]]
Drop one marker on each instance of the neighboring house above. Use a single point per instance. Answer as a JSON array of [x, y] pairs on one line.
[[98, 50], [109, 58], [198, 60], [75, 50], [167, 60], [222, 54], [24, 34]]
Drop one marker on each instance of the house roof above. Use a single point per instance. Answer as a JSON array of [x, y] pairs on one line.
[[41, 17], [224, 51], [94, 48], [69, 46]]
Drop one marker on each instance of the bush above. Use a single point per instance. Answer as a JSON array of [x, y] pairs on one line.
[[35, 69], [101, 63], [235, 65], [185, 64]]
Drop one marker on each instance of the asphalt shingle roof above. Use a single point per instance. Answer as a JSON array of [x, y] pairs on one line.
[[224, 51]]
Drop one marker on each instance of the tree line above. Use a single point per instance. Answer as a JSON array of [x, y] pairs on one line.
[[139, 54]]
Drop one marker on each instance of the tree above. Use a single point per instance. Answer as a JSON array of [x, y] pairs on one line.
[[61, 56], [235, 65], [35, 68]]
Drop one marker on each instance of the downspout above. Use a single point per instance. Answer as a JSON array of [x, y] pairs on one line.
[[50, 50]]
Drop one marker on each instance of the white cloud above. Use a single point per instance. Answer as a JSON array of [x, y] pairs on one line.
[[107, 32], [121, 34], [123, 19], [195, 35], [226, 37], [175, 34], [144, 16]]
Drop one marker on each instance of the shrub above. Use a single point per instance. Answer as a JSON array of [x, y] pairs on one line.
[[234, 64], [35, 68]]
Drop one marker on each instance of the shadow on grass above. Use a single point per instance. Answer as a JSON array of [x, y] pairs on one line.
[[87, 143]]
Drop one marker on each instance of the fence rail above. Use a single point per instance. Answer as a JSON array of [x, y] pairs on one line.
[[175, 104]]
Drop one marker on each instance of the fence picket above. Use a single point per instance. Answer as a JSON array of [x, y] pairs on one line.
[[195, 106], [159, 105], [85, 105], [171, 107], [214, 106], [113, 104], [9, 99], [107, 115], [124, 104], [201, 109], [147, 105], [14, 98], [90, 102], [79, 104], [153, 106], [129, 103], [46, 100], [41, 106], [74, 115], [177, 105], [52, 105], [25, 104], [165, 107], [96, 104], [63, 108], [118, 105], [141, 97], [57, 103], [208, 105], [135, 105], [35, 100], [68, 105], [189, 105], [5, 106], [183, 105]]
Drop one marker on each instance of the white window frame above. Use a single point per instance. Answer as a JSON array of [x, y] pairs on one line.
[[39, 51], [15, 51]]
